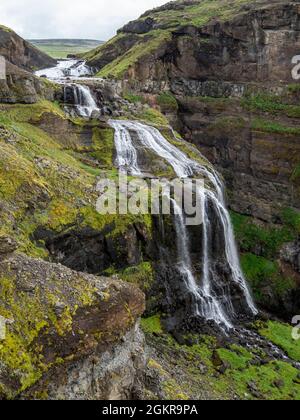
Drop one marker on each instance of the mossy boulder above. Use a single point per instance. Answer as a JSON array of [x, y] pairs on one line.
[[56, 317]]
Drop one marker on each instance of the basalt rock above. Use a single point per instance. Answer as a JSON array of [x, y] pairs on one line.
[[20, 86], [70, 335], [7, 245]]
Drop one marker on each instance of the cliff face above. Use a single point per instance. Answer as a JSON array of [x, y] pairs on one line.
[[21, 53], [230, 71], [21, 58], [64, 331]]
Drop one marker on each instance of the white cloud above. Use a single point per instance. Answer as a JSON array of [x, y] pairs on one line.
[[97, 19]]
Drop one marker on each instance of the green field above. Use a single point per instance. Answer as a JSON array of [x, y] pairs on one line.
[[61, 48]]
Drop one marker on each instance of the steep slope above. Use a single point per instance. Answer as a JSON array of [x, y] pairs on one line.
[[154, 36], [19, 84], [21, 53], [225, 73]]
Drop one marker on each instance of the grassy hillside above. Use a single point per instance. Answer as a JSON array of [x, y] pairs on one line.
[[61, 48], [155, 27]]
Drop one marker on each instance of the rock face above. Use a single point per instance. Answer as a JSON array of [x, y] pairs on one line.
[[21, 53], [66, 326], [21, 86], [248, 49], [233, 68]]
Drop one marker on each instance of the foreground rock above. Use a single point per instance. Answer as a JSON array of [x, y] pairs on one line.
[[20, 86], [68, 335]]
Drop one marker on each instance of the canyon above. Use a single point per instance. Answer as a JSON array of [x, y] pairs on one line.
[[74, 283]]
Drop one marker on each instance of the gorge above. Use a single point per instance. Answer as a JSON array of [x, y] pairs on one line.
[[194, 89]]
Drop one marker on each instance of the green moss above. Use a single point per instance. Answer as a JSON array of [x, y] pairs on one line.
[[251, 236], [237, 358], [147, 45], [167, 102], [266, 126], [103, 145], [281, 335], [264, 379], [271, 104], [262, 272], [141, 275], [243, 376], [133, 98], [152, 325], [32, 315]]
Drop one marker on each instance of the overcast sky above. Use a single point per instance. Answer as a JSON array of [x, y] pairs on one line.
[[93, 19]]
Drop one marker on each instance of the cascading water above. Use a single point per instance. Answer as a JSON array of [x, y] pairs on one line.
[[80, 95], [66, 68], [218, 308], [210, 300], [82, 99]]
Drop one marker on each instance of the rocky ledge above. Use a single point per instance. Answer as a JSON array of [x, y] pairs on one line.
[[68, 335]]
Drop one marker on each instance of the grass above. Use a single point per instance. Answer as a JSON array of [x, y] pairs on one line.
[[291, 218], [60, 49], [133, 98], [266, 126], [153, 116], [117, 68], [281, 335], [167, 102], [263, 273], [260, 246], [271, 104], [267, 239], [246, 373], [5, 29]]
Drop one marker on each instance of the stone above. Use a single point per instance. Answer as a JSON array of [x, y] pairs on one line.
[[7, 245]]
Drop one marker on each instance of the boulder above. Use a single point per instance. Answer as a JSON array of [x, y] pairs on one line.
[[72, 335]]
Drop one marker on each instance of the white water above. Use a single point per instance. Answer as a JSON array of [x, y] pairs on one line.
[[217, 308], [64, 69], [84, 102], [126, 152]]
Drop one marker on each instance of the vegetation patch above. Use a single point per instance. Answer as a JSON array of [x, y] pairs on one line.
[[268, 240], [152, 325], [167, 102], [281, 335], [271, 104], [207, 370], [260, 124], [147, 45]]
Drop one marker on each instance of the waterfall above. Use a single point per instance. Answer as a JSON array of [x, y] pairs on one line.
[[66, 68], [126, 152], [81, 98], [218, 308]]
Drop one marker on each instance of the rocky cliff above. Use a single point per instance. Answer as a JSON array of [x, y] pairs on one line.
[[21, 53], [230, 75], [71, 323]]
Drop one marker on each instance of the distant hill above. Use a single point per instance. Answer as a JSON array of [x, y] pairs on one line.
[[61, 48]]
